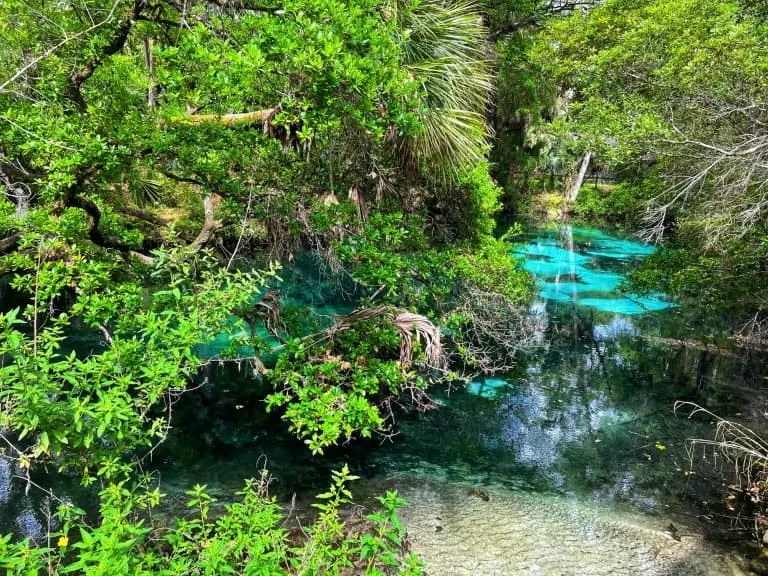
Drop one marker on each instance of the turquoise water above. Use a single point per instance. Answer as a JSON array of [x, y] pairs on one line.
[[586, 267], [580, 417]]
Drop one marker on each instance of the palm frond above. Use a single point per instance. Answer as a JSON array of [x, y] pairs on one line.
[[146, 192], [445, 51]]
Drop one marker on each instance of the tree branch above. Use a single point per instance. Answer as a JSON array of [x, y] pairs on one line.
[[77, 78], [210, 225], [256, 116], [72, 199], [9, 244], [552, 8], [243, 5], [55, 47]]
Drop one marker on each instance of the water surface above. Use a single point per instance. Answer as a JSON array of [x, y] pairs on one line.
[[586, 267], [574, 463]]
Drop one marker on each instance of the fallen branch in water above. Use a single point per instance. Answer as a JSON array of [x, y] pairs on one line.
[[495, 330], [691, 344]]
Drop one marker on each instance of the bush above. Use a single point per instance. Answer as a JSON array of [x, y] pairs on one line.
[[618, 204], [249, 537]]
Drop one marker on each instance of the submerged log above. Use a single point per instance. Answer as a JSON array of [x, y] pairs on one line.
[[691, 344]]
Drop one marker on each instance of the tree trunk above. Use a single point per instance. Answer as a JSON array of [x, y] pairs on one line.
[[210, 225], [573, 190], [151, 96], [23, 196]]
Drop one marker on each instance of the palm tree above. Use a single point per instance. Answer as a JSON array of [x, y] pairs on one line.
[[445, 46]]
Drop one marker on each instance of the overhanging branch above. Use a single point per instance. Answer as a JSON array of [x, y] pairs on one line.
[[210, 225], [72, 199], [78, 77], [254, 117]]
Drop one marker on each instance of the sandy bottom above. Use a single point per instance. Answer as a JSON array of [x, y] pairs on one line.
[[459, 531]]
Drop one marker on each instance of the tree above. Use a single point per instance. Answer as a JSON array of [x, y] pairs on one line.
[[646, 74]]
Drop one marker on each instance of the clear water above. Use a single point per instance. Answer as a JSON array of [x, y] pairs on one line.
[[578, 451], [574, 463], [586, 267]]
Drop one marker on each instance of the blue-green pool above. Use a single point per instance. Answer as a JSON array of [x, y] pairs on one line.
[[586, 267]]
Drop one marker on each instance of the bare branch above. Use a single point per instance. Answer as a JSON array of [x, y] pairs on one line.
[[210, 225], [55, 47]]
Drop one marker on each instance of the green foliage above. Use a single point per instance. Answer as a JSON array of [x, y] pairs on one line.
[[248, 537], [391, 259], [622, 203], [640, 78], [466, 211], [155, 158], [444, 48], [729, 281], [335, 386], [672, 93], [84, 412]]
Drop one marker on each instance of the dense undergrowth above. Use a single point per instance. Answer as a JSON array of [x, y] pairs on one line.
[[164, 164]]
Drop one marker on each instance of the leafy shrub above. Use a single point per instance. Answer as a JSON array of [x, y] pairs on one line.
[[341, 383], [465, 211], [249, 537], [619, 204]]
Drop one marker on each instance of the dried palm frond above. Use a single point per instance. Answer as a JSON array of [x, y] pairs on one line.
[[411, 327], [356, 197], [746, 450], [329, 199]]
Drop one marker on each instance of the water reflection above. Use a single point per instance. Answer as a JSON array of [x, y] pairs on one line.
[[28, 512], [590, 411], [588, 414]]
